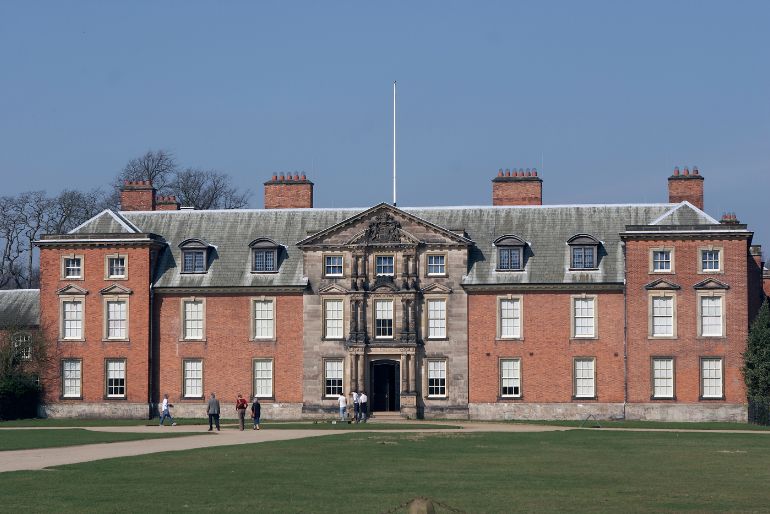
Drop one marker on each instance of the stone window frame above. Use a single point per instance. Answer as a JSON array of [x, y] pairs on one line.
[[185, 396], [63, 268], [428, 395], [499, 316], [392, 301], [710, 293], [654, 358], [254, 361], [711, 248], [428, 255], [721, 360], [426, 319], [107, 275], [324, 328], [657, 293], [575, 360], [510, 242], [500, 393], [182, 312], [62, 392], [324, 361], [573, 318], [393, 256], [107, 395], [106, 299], [253, 317], [672, 260], [326, 265], [80, 298]]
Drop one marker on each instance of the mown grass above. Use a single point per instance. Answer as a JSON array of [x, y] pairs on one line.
[[574, 471], [651, 425], [28, 439]]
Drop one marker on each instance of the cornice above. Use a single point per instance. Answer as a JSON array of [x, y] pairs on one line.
[[582, 286]]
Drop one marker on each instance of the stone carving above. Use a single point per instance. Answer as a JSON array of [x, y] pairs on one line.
[[384, 229]]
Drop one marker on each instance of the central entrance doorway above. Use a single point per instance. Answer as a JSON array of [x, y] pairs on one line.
[[385, 393]]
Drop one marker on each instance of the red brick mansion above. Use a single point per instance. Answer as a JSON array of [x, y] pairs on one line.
[[517, 310]]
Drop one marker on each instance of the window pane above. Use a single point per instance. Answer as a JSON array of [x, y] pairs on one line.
[[333, 378], [384, 264], [711, 373], [117, 266], [333, 319], [263, 378], [510, 378], [710, 260], [510, 318], [663, 378], [71, 371], [263, 319], [584, 378], [584, 317], [264, 260], [509, 258], [73, 319], [661, 260], [436, 318], [193, 379], [383, 320], [116, 378], [72, 268], [662, 316], [711, 315], [436, 265], [193, 320], [334, 265], [194, 261], [22, 343], [436, 378], [116, 320]]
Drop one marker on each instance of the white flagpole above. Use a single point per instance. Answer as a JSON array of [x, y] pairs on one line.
[[394, 143]]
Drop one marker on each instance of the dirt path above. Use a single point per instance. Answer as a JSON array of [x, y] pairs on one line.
[[199, 438]]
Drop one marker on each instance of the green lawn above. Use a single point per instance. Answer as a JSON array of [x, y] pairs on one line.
[[651, 425], [575, 471], [42, 438]]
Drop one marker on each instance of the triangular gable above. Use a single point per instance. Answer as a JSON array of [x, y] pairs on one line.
[[684, 213], [115, 289], [380, 227], [106, 222], [333, 289], [71, 289], [711, 283], [436, 288], [662, 284]]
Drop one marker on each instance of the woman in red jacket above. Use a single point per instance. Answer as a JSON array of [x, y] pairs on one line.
[[240, 408]]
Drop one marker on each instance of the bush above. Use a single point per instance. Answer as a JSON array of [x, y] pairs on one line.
[[19, 396]]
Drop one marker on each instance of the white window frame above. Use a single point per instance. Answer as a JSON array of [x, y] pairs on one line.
[[652, 316], [63, 301], [192, 378], [584, 377], [73, 389], [334, 369], [267, 331], [436, 319], [712, 378], [333, 265], [377, 265], [517, 323], [720, 260], [579, 313], [436, 373], [711, 295], [334, 325], [65, 273], [118, 367], [376, 312], [512, 365], [439, 268], [662, 374], [108, 267], [183, 336], [262, 378], [106, 329], [657, 266]]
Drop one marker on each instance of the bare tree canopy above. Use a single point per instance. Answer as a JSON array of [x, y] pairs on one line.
[[207, 189], [157, 166]]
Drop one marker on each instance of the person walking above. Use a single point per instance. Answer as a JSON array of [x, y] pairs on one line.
[[343, 406], [240, 408], [362, 399], [164, 412], [212, 409], [256, 411], [356, 406]]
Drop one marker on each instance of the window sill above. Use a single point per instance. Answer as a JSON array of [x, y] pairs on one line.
[[582, 269], [253, 272], [72, 340], [584, 398], [662, 399], [509, 339], [586, 338], [192, 272], [194, 398], [108, 340], [437, 397], [505, 399], [711, 272], [64, 398], [263, 339], [260, 398], [71, 278], [711, 338], [333, 339], [436, 275], [183, 340], [662, 338], [114, 398], [115, 278], [667, 272], [711, 398], [517, 270], [437, 339]]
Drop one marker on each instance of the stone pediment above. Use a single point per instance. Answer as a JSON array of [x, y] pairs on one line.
[[384, 225], [115, 289], [333, 289], [436, 288], [384, 282], [710, 283], [71, 289], [661, 284]]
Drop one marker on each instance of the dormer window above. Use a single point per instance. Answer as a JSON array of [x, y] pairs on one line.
[[194, 255], [264, 255], [510, 253], [584, 252]]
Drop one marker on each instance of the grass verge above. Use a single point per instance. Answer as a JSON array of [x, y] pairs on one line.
[[29, 439], [651, 425]]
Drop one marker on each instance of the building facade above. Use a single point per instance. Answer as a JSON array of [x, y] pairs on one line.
[[517, 310]]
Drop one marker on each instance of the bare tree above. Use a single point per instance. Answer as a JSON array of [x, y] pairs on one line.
[[12, 240], [207, 189], [157, 166], [70, 208]]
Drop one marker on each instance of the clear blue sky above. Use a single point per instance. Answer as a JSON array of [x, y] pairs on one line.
[[604, 97]]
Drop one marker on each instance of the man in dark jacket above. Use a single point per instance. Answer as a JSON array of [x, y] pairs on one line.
[[212, 409], [256, 410]]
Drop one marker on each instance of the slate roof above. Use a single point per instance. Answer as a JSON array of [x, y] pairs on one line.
[[20, 308], [546, 230]]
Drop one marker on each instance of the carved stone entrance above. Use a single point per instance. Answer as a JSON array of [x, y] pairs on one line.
[[385, 390]]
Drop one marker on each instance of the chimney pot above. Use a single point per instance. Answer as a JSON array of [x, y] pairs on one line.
[[296, 176], [500, 172], [695, 170], [534, 172], [275, 177]]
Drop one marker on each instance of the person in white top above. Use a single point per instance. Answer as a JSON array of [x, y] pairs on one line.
[[362, 399], [164, 412], [343, 406], [355, 405]]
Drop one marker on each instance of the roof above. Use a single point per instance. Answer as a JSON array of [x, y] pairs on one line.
[[546, 230], [20, 308]]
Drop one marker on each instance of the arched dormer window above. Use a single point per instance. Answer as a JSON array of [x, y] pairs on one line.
[[510, 253], [584, 252], [264, 255], [195, 255]]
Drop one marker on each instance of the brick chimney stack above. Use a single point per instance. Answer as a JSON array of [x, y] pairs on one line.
[[686, 186], [289, 192], [166, 203], [137, 195], [522, 187]]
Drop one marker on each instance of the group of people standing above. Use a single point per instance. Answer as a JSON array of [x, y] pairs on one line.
[[213, 411], [359, 401]]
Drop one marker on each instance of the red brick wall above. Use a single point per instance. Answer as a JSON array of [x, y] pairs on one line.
[[289, 193], [686, 188], [517, 191], [227, 352], [546, 351], [93, 351], [687, 348]]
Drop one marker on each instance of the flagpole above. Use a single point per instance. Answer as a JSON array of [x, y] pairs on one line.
[[394, 143]]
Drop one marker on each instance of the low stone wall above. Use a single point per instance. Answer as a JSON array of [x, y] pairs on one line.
[[275, 411], [533, 411], [693, 412], [107, 410]]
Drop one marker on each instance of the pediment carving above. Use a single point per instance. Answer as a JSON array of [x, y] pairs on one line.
[[383, 229], [333, 289], [436, 288], [71, 289], [115, 289], [662, 284], [710, 283], [384, 282]]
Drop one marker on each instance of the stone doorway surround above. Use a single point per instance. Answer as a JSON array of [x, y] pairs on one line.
[[358, 376]]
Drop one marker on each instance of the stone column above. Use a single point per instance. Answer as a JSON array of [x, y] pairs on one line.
[[354, 371], [404, 372], [361, 368], [349, 358], [362, 318], [412, 372], [353, 317], [405, 315]]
